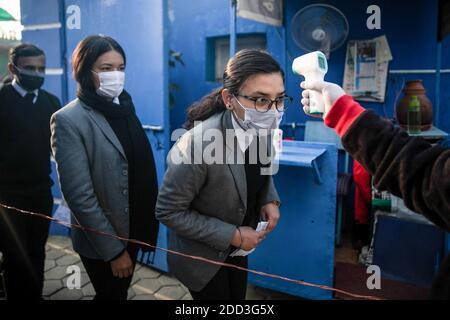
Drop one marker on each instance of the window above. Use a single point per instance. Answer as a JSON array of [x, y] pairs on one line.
[[218, 52]]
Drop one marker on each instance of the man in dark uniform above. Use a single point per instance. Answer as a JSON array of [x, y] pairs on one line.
[[25, 182]]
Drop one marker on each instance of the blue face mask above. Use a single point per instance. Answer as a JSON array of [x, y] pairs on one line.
[[257, 120]]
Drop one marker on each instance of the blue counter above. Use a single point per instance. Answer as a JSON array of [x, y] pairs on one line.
[[302, 245]]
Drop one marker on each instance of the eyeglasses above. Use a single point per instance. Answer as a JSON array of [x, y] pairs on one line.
[[264, 104]]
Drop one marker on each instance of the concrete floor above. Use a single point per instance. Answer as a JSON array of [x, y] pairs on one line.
[[147, 283]]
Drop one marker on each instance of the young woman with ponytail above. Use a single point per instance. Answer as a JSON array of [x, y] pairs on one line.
[[213, 209]]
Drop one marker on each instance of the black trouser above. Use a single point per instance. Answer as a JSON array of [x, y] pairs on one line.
[[440, 290], [106, 285], [22, 241], [227, 284]]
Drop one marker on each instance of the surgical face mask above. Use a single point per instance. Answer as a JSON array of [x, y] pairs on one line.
[[29, 80], [257, 120], [111, 83]]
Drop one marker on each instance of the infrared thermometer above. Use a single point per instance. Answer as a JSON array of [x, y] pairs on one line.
[[313, 66]]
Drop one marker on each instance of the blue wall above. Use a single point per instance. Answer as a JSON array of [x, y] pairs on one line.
[[410, 27], [190, 24], [39, 13]]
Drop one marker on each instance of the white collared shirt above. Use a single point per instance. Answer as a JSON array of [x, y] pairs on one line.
[[24, 92], [244, 138]]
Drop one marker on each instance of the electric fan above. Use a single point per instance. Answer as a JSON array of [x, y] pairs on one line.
[[319, 27]]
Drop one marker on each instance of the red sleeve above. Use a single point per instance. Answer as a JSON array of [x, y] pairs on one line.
[[363, 193], [344, 111]]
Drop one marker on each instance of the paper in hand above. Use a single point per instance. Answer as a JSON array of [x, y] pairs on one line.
[[242, 253]]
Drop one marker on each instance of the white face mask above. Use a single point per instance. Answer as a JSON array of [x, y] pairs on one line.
[[258, 120], [111, 83]]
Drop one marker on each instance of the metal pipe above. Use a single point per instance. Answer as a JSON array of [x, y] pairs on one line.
[[152, 128], [418, 71], [292, 125], [233, 27], [437, 92], [43, 26]]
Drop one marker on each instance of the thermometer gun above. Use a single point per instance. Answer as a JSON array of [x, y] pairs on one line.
[[313, 66]]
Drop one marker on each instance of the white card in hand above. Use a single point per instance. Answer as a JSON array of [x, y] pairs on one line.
[[239, 252], [262, 226]]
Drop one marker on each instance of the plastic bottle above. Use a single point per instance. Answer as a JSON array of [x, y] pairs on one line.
[[414, 116]]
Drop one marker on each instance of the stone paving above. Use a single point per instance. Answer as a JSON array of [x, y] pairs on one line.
[[147, 284]]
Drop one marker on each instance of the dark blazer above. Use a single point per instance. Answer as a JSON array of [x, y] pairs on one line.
[[202, 203]]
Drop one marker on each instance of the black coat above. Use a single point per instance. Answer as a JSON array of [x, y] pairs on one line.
[[25, 142], [410, 168]]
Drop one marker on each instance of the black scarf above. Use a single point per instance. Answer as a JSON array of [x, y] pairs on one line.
[[142, 180]]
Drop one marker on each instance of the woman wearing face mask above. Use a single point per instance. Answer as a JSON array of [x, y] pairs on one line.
[[106, 167], [213, 209]]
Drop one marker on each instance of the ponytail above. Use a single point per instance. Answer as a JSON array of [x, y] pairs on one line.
[[239, 68], [205, 108]]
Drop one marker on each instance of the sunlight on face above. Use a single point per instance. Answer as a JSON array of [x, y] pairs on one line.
[[109, 61], [33, 64]]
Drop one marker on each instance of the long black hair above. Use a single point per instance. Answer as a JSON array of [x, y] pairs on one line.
[[240, 67], [86, 54]]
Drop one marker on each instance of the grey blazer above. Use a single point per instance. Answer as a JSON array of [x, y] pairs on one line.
[[92, 170], [203, 204]]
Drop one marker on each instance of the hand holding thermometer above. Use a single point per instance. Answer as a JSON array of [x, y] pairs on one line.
[[313, 66]]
